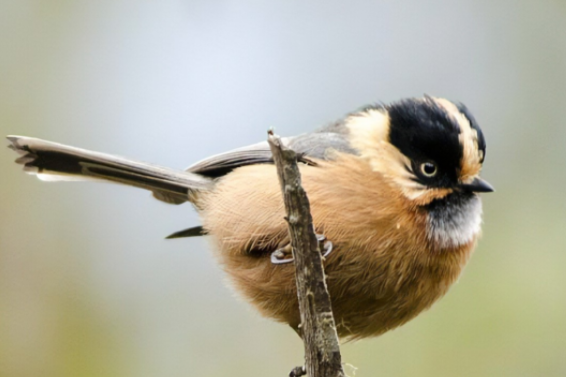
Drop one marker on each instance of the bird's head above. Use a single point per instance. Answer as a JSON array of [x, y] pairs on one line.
[[426, 147]]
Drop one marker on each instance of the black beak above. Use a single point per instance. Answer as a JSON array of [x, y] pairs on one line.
[[477, 185]]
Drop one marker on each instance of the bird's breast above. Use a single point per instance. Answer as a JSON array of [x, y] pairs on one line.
[[384, 268]]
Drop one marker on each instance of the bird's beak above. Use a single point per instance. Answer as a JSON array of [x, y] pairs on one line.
[[477, 185]]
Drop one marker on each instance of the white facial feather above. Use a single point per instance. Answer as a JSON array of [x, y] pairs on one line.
[[455, 223]]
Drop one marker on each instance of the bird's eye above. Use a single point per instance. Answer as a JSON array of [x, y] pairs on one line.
[[428, 169]]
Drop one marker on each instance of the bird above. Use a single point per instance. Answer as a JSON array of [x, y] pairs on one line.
[[394, 190]]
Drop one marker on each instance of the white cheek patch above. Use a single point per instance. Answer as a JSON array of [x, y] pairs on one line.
[[455, 223]]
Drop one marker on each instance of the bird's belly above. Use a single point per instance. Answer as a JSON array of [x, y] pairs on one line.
[[382, 272]]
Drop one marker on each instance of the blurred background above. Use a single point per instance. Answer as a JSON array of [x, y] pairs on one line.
[[88, 285]]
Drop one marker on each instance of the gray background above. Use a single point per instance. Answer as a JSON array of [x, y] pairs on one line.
[[88, 286]]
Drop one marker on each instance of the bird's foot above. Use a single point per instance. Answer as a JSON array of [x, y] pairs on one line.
[[326, 246], [298, 371], [282, 255], [285, 254]]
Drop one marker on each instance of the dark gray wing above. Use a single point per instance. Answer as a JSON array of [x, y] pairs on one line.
[[220, 164], [317, 145]]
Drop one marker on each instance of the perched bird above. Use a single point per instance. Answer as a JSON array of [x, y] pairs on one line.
[[393, 188]]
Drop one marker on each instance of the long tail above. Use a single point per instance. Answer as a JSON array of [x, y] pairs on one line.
[[58, 162]]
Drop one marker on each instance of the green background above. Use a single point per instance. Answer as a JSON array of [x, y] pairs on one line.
[[88, 286]]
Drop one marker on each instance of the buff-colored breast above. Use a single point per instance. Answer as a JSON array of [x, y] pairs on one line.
[[382, 272]]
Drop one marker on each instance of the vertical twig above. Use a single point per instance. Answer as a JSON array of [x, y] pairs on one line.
[[322, 349]]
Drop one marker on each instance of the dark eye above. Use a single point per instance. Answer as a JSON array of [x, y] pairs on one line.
[[428, 169]]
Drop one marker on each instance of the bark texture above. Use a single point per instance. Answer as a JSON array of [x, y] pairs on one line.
[[318, 329]]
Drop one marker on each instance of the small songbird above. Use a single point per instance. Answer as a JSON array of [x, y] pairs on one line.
[[393, 189]]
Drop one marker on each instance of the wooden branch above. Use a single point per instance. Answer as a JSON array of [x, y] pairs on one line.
[[322, 348]]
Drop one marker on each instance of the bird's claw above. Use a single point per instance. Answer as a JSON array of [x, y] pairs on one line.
[[298, 372], [282, 255], [285, 254], [326, 245]]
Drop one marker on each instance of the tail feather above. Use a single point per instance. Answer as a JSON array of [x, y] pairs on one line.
[[51, 161]]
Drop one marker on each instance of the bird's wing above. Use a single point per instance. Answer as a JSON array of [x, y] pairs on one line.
[[310, 146]]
